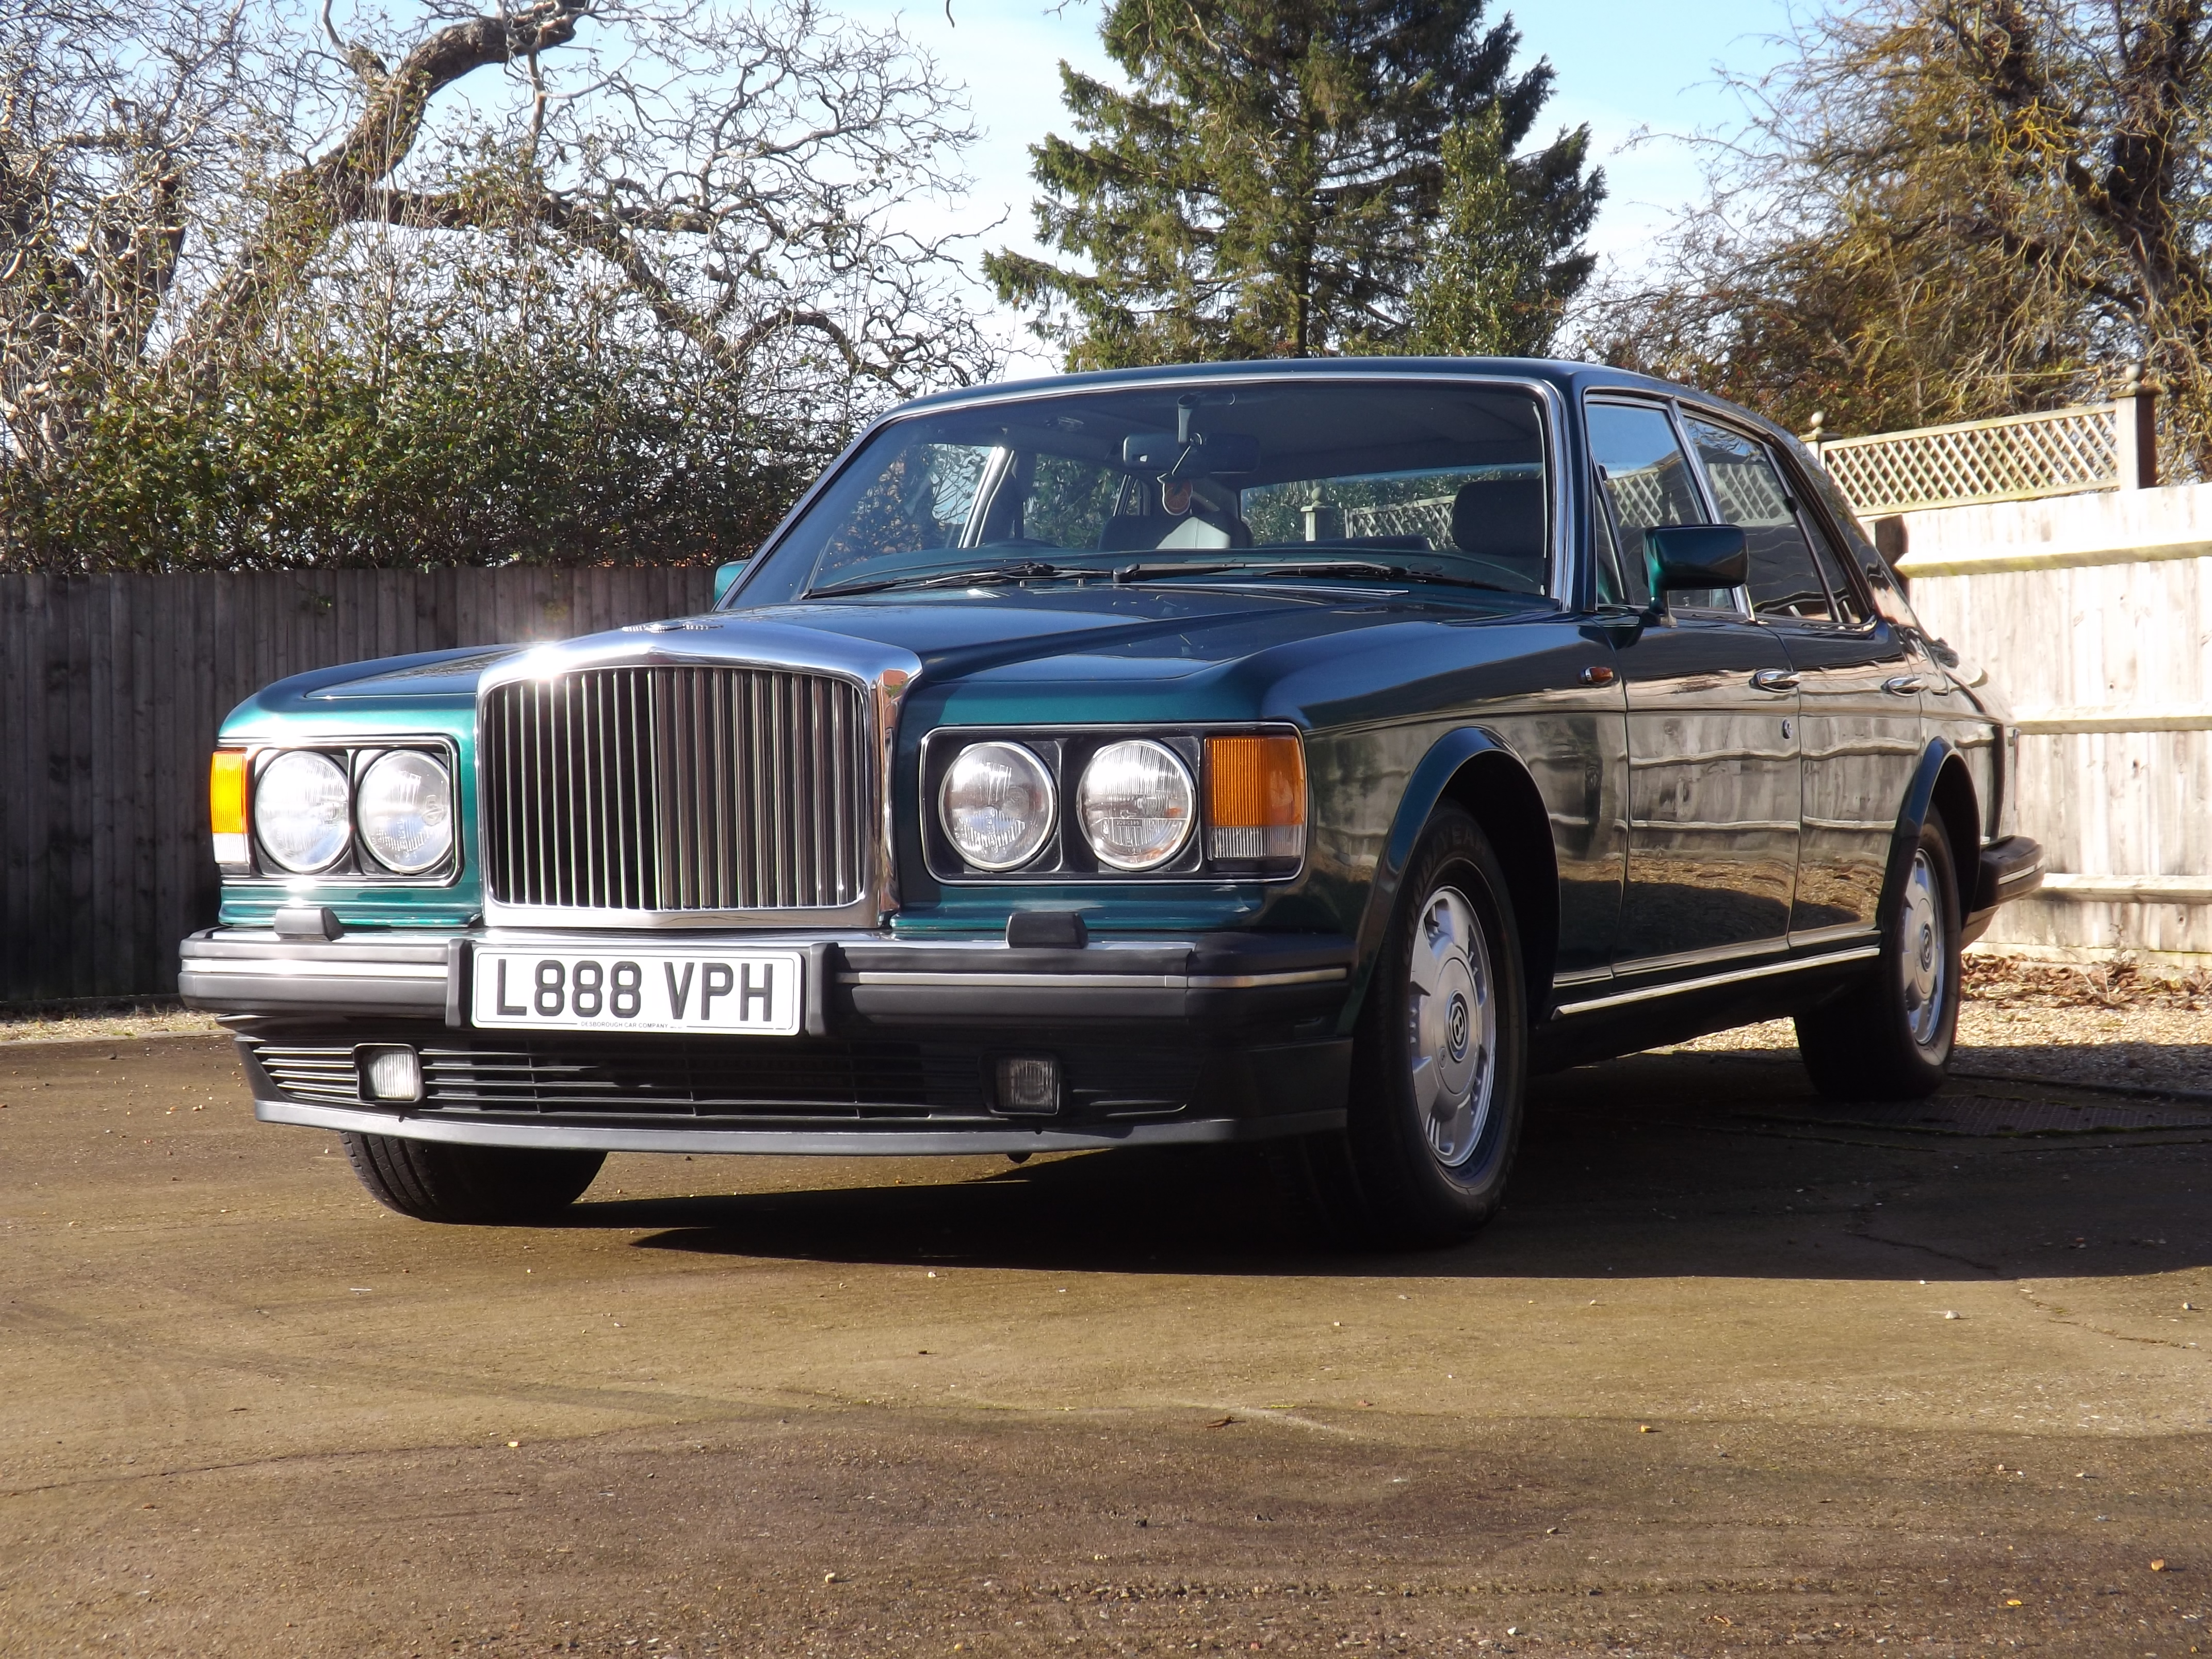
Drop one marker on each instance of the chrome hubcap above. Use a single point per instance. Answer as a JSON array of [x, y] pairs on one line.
[[1451, 1025], [1925, 957]]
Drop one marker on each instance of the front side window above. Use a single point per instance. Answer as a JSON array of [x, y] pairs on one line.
[[1647, 485], [1785, 583], [1422, 480]]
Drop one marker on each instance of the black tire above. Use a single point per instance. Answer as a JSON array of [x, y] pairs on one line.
[[1890, 1036], [432, 1180], [1403, 1175]]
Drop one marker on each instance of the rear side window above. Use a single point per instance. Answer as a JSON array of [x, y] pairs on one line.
[[1785, 581]]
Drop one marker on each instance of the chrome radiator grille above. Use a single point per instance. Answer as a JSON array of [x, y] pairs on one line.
[[691, 788]]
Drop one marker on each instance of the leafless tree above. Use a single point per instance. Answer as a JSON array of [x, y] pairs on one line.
[[754, 186], [1943, 210]]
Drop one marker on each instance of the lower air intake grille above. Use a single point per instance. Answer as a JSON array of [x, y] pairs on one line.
[[808, 1081]]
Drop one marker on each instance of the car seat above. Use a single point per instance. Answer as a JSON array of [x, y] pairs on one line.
[[1126, 533], [1501, 522]]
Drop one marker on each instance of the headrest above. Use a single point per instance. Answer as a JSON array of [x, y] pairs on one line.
[[1501, 519]]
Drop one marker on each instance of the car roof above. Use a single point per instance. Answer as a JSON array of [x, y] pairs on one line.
[[1571, 378]]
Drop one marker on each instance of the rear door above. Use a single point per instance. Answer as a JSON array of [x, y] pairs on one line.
[[1713, 782], [1858, 685]]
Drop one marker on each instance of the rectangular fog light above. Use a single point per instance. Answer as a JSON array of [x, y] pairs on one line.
[[1029, 1084], [393, 1073]]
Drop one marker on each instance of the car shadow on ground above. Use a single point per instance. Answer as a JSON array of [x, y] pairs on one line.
[[1720, 1165]]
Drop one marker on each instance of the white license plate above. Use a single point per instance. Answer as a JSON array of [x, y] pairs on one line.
[[757, 992]]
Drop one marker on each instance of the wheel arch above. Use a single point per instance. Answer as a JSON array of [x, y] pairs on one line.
[[1943, 790], [1472, 770]]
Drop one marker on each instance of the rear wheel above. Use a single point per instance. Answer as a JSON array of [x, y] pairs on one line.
[[1439, 1062], [1890, 1037], [432, 1180]]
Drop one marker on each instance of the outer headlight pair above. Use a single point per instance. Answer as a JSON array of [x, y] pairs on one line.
[[305, 811], [1135, 804]]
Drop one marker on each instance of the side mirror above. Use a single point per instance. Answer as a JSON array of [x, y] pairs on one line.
[[726, 578], [1682, 556]]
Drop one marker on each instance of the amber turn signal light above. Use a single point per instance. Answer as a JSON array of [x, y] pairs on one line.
[[1256, 799], [226, 808]]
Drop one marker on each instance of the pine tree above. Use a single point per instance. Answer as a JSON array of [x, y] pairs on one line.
[[1270, 184], [1506, 254]]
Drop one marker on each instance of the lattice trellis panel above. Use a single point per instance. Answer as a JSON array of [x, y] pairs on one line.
[[2014, 458], [1649, 495], [1431, 518]]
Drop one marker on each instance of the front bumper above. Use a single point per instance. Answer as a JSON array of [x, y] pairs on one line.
[[1215, 1037], [871, 980]]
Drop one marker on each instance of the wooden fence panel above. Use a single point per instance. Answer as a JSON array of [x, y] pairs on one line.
[[114, 688], [2093, 615]]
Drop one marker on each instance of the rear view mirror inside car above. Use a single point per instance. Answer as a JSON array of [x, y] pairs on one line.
[[1205, 454]]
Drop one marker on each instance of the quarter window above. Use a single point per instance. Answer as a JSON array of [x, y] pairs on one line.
[[1834, 566]]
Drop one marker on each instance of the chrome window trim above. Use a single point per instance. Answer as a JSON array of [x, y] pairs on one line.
[[1671, 408], [884, 674], [1565, 569]]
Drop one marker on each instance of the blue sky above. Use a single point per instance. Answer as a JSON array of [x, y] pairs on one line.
[[1625, 66]]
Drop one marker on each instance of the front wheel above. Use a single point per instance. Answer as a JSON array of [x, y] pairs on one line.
[[1890, 1037], [1439, 1062], [432, 1180]]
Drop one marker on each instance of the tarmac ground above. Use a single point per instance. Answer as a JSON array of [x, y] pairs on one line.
[[1737, 1370]]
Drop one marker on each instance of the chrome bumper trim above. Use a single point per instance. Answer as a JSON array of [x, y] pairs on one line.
[[268, 968], [1097, 981], [807, 1143]]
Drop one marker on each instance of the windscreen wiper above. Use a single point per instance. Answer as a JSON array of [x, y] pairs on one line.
[[1020, 570], [1145, 572]]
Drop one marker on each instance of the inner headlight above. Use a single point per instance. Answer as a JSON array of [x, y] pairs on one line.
[[300, 811], [1137, 803], [405, 810], [996, 805]]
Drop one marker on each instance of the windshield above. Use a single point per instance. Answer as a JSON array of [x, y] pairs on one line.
[[1411, 478]]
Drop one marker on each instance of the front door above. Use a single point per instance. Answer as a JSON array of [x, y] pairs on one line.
[[1713, 793], [1858, 687]]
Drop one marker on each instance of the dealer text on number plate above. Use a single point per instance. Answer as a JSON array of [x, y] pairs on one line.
[[757, 992]]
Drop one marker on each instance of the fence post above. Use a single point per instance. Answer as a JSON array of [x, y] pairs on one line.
[[2134, 432]]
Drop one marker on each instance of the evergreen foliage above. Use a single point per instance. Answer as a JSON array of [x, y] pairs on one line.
[[1506, 256], [1271, 184], [425, 456]]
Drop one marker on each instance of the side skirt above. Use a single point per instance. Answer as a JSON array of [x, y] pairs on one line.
[[1623, 1022]]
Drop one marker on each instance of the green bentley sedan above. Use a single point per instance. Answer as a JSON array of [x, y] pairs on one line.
[[1298, 752]]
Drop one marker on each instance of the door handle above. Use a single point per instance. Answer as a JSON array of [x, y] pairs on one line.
[[1774, 680], [1905, 685]]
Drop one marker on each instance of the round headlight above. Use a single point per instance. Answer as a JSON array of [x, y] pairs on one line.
[[996, 805], [300, 811], [1137, 804], [405, 810]]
